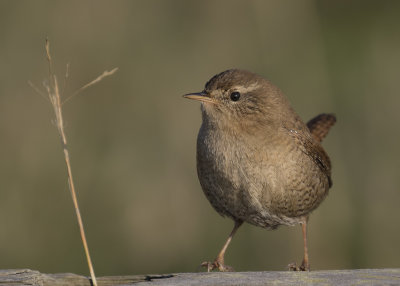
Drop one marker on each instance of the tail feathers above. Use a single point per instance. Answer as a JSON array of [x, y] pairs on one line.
[[320, 125]]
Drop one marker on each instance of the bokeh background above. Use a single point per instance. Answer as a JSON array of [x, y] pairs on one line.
[[132, 136]]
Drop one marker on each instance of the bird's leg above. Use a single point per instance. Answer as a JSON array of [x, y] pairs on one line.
[[219, 261], [305, 265]]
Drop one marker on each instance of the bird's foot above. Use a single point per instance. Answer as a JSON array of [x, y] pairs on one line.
[[303, 267], [217, 265]]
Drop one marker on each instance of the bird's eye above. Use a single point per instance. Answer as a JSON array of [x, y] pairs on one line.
[[235, 96]]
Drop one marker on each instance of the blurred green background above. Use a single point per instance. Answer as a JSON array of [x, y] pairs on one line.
[[132, 136]]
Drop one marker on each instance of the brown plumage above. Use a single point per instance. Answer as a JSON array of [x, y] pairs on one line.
[[257, 161], [320, 125]]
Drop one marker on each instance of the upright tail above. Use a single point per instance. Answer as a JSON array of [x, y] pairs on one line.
[[320, 125]]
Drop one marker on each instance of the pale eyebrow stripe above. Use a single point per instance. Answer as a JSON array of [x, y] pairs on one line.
[[249, 88]]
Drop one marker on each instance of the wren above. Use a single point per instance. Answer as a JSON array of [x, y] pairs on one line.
[[257, 161]]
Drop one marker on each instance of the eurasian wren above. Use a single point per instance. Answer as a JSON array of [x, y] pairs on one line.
[[257, 161]]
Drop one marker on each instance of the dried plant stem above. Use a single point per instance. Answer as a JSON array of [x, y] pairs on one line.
[[54, 96], [96, 80], [53, 92]]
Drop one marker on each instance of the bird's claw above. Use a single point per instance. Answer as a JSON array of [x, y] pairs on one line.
[[217, 265], [303, 267]]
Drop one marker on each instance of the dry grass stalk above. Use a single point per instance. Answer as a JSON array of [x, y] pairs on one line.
[[53, 94], [96, 80]]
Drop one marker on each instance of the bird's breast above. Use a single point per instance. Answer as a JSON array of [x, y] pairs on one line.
[[237, 176], [265, 182]]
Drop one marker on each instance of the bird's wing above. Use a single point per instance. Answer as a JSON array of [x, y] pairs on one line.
[[319, 126], [313, 150]]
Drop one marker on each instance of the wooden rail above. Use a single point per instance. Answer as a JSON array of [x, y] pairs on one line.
[[378, 277]]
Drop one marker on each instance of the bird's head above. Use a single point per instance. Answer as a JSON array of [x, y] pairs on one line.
[[240, 98]]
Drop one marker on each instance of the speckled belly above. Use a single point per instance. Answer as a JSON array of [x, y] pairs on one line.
[[235, 192], [261, 194]]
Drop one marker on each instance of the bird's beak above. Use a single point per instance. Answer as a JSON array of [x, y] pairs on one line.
[[200, 96]]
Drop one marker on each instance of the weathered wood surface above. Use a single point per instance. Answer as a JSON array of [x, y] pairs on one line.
[[331, 277]]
